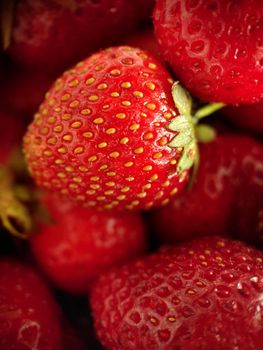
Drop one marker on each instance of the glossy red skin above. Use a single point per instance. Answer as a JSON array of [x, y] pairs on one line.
[[215, 54], [28, 313], [247, 117], [52, 37], [205, 294], [226, 196], [112, 152], [82, 243]]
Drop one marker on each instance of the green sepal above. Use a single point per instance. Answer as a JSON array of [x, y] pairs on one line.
[[182, 99], [184, 127], [205, 133]]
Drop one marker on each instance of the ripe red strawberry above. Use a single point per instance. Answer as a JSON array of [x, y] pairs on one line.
[[214, 47], [54, 34], [226, 195], [28, 314], [248, 117], [81, 243], [109, 134], [205, 294]]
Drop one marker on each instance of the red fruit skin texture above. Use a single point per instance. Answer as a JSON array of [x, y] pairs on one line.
[[101, 137], [28, 314], [47, 35], [82, 243], [205, 294], [226, 196], [218, 56], [247, 117]]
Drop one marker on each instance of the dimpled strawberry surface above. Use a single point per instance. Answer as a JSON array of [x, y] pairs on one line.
[[205, 294], [214, 47], [131, 175]]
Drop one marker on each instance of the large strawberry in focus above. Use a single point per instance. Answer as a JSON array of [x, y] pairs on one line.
[[248, 117], [109, 133], [226, 196], [29, 317], [54, 34], [214, 47], [81, 243], [205, 294]]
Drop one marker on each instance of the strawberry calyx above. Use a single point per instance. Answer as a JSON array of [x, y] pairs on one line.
[[14, 216], [189, 132], [184, 126]]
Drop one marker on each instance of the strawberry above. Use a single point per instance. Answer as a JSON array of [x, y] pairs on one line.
[[218, 56], [205, 294], [54, 34], [248, 117], [109, 134], [226, 195], [29, 318], [81, 243]]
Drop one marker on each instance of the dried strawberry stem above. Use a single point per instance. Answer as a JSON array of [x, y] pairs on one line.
[[13, 214]]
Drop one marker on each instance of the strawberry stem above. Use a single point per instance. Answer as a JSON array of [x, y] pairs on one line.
[[207, 110]]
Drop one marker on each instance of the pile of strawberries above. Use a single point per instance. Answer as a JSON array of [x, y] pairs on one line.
[[131, 175]]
